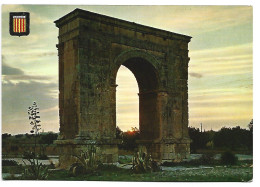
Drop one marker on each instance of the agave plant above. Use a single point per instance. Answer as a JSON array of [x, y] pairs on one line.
[[143, 162], [87, 162], [35, 171], [34, 117]]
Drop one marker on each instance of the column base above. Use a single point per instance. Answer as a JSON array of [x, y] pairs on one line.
[[166, 151], [106, 152]]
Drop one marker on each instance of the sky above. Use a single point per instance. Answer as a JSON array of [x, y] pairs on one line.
[[220, 68]]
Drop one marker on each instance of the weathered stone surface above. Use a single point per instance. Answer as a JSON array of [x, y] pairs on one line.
[[91, 49]]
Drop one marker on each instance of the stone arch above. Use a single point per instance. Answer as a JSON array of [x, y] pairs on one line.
[[91, 49]]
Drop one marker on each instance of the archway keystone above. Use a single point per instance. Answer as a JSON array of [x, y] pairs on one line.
[[91, 49]]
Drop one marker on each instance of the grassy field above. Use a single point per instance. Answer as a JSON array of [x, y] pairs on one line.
[[230, 174], [113, 173], [193, 170]]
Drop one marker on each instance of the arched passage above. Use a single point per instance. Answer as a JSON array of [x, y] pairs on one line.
[[141, 64]]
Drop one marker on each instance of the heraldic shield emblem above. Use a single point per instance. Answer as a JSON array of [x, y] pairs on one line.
[[19, 24]]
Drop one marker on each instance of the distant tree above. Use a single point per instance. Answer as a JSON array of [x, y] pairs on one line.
[[250, 143], [199, 139], [233, 138], [6, 135], [119, 133], [14, 148], [48, 138], [28, 136], [129, 139], [18, 136], [250, 125]]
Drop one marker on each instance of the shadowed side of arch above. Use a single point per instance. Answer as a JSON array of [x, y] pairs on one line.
[[142, 64], [145, 74]]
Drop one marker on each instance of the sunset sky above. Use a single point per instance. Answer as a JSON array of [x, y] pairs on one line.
[[220, 69]]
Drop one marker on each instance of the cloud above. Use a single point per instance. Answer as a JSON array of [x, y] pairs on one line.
[[23, 77], [37, 19], [8, 70], [227, 52], [34, 17], [46, 54], [229, 60], [196, 75], [198, 19], [12, 8], [13, 74], [19, 96], [30, 53]]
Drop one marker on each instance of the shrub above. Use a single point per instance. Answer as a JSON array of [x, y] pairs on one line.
[[48, 138], [28, 155], [14, 148], [5, 135], [9, 163], [228, 158], [129, 139], [35, 171], [87, 162], [207, 159], [142, 163], [43, 157]]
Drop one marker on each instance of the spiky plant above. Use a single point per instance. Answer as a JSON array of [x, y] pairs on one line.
[[34, 118], [35, 170], [142, 163], [87, 161]]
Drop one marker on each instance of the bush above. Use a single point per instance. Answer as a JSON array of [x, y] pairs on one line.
[[129, 139], [9, 163], [5, 135], [142, 163], [35, 171], [28, 155], [87, 162], [43, 157], [48, 138], [207, 159], [14, 148], [228, 158]]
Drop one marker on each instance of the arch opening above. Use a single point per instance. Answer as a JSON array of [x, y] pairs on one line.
[[147, 79], [127, 100]]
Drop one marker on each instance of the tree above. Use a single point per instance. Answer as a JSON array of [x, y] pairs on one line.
[[250, 125], [199, 139], [119, 133], [48, 138], [129, 139], [6, 135], [233, 138]]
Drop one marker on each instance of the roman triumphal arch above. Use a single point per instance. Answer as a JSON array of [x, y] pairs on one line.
[[91, 49]]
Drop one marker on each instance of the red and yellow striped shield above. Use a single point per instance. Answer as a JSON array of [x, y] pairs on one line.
[[19, 23]]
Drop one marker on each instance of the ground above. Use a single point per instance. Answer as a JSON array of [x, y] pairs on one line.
[[215, 174], [191, 171]]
